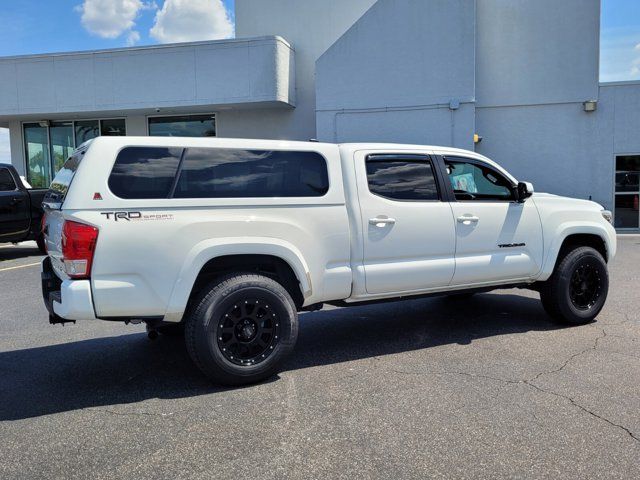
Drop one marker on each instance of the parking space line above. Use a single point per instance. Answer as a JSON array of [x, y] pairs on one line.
[[19, 266]]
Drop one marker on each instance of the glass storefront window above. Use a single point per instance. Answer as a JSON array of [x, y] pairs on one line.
[[61, 138], [627, 214], [86, 130], [36, 141], [113, 128], [627, 211], [183, 126], [48, 147]]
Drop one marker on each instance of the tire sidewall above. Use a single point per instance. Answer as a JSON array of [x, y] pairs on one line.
[[216, 305], [568, 267]]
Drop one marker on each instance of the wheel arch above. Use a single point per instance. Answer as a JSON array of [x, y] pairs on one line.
[[573, 236], [212, 258]]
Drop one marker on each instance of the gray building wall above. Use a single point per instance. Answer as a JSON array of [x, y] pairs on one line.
[[520, 69], [395, 73], [537, 52], [537, 62], [311, 26], [230, 72]]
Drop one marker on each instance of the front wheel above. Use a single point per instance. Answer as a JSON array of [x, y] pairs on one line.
[[242, 329], [577, 290]]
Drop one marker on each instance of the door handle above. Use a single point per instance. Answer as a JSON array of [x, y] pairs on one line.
[[381, 221], [468, 219], [16, 201]]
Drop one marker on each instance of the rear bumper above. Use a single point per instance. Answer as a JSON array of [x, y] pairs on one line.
[[67, 299]]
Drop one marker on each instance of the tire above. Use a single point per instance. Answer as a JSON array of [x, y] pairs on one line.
[[577, 290], [242, 329], [41, 244], [175, 330]]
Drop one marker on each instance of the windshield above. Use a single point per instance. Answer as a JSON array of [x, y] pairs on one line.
[[60, 185]]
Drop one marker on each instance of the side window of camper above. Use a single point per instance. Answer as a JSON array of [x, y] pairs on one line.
[[231, 173], [144, 172]]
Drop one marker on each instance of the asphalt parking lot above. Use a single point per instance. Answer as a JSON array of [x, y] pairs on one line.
[[485, 388]]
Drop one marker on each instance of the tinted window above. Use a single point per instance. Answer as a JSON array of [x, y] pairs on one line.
[[60, 185], [472, 181], [144, 172], [183, 126], [225, 173], [113, 128], [401, 179], [86, 130], [6, 181]]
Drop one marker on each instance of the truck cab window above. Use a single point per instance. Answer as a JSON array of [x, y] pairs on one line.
[[7, 183], [474, 181], [401, 178]]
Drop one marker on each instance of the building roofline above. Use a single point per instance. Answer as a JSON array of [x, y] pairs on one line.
[[265, 38], [620, 83]]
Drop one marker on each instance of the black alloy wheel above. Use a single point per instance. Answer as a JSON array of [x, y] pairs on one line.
[[241, 329], [248, 332], [577, 290], [585, 286]]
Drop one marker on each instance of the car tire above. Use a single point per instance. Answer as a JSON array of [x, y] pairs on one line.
[[41, 244], [242, 329], [578, 288]]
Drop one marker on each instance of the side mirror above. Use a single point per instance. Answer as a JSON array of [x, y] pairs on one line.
[[525, 190]]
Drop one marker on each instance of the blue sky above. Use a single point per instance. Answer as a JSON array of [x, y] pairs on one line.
[[620, 40], [41, 26]]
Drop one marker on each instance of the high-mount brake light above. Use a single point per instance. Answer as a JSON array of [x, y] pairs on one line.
[[78, 246]]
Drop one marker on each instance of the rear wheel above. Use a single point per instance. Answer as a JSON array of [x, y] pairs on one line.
[[577, 290], [242, 329], [41, 244]]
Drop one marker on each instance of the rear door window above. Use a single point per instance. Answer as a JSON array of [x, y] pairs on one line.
[[231, 173], [145, 172], [408, 177]]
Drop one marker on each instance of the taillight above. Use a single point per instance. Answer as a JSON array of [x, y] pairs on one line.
[[78, 245]]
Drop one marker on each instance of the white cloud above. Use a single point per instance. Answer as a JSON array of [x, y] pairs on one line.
[[112, 18], [5, 149], [635, 63], [192, 20], [132, 38], [620, 54]]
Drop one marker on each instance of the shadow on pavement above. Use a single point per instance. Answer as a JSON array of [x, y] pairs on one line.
[[130, 368], [10, 252]]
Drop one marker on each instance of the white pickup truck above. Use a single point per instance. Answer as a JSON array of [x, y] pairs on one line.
[[228, 239]]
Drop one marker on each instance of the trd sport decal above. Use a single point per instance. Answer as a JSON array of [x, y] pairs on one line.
[[136, 216], [512, 245]]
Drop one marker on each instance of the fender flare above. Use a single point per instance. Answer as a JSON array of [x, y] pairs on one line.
[[567, 229], [210, 249]]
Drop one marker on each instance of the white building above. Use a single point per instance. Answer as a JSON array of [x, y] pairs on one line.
[[522, 74]]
